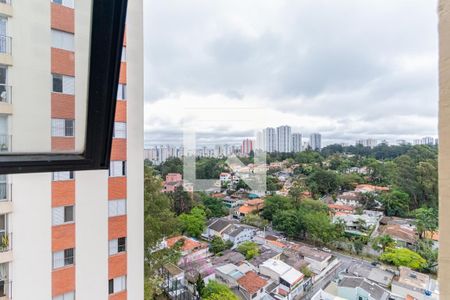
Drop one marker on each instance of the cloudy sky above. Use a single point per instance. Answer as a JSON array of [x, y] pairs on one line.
[[348, 69]]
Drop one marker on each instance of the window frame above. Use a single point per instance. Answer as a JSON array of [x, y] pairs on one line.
[[107, 32]]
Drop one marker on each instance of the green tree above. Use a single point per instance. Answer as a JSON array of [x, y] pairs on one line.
[[218, 291], [248, 249], [199, 285], [214, 207], [273, 184], [395, 203], [403, 257], [218, 245], [171, 165], [306, 271], [273, 204], [383, 242], [429, 253], [323, 182], [194, 222], [159, 222], [181, 201], [255, 220], [426, 220], [287, 222]]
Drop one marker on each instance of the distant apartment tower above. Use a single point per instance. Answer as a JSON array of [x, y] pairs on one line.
[[75, 235], [367, 143], [296, 142], [401, 142], [428, 140], [284, 139], [315, 141], [259, 143], [247, 146], [270, 140]]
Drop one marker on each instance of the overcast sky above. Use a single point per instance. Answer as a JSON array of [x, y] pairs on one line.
[[348, 69]]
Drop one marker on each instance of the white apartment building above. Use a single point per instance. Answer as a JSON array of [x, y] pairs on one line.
[[68, 235], [284, 139], [315, 141], [270, 140], [296, 142]]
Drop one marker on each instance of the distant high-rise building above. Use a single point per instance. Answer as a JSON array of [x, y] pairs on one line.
[[417, 142], [401, 142], [428, 140], [259, 144], [284, 139], [270, 140], [367, 143], [296, 142], [247, 146], [315, 141]]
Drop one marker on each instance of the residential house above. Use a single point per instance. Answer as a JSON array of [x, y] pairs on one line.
[[230, 273], [340, 209], [357, 288], [368, 188], [252, 286], [289, 280], [239, 233], [224, 177], [228, 257], [265, 253], [249, 207], [322, 295], [174, 280], [404, 235], [191, 249], [172, 182], [357, 224], [174, 177], [217, 227], [318, 260], [377, 275], [232, 202], [415, 285], [349, 199]]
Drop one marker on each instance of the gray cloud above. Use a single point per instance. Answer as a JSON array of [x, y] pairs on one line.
[[368, 66]]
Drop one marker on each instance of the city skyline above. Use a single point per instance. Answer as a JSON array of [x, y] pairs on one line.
[[374, 81]]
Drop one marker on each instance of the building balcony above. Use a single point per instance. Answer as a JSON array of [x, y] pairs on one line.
[[5, 198], [5, 289], [5, 48], [5, 248], [5, 93], [5, 143]]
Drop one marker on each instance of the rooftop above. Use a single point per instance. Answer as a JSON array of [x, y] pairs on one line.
[[189, 244], [220, 225], [413, 278], [252, 282], [315, 254], [265, 253], [375, 291], [403, 232], [228, 256]]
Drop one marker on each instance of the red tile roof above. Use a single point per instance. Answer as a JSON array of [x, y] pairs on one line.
[[188, 245], [251, 282]]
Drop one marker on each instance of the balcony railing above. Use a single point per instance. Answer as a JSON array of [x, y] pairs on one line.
[[5, 143], [5, 289], [5, 93], [5, 242], [5, 44], [5, 191]]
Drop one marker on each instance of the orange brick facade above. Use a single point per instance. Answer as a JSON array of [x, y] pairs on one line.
[[63, 237], [63, 62], [63, 18], [63, 193], [117, 265], [63, 106], [63, 281], [121, 111]]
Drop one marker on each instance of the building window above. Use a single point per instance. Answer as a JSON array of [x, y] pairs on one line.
[[124, 54], [117, 245], [117, 207], [122, 92], [66, 296], [63, 258], [61, 176], [63, 84], [120, 130], [4, 89], [66, 3], [117, 168], [62, 215], [117, 284], [61, 127], [63, 40]]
